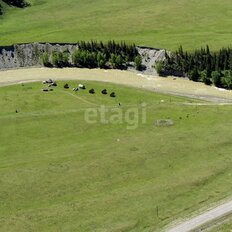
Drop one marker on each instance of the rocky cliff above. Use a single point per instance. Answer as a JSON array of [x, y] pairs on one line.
[[26, 55]]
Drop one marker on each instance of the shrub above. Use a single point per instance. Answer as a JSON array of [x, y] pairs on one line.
[[66, 59], [138, 62], [101, 60], [216, 78], [45, 59], [159, 66], [57, 59], [119, 62], [227, 79], [194, 75], [77, 58], [205, 78]]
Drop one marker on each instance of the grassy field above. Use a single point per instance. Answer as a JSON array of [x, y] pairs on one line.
[[162, 24], [227, 227], [59, 173]]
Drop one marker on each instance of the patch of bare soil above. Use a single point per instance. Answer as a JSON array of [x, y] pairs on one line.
[[169, 85]]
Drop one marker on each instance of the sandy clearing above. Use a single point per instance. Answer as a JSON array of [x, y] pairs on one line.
[[170, 85]]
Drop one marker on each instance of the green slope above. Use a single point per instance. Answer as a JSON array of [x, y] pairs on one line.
[[59, 173], [166, 23]]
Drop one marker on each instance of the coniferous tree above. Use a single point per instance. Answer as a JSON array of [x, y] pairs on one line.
[[194, 75], [227, 79], [204, 77], [138, 62], [216, 78]]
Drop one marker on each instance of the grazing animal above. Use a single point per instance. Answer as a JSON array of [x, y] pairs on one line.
[[49, 81], [66, 86], [119, 104], [104, 91], [16, 111], [45, 90], [81, 86], [113, 94], [75, 89], [92, 91]]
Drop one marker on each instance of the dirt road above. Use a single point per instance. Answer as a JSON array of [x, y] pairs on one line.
[[204, 218], [176, 86]]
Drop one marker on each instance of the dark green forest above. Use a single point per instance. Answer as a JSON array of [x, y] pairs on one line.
[[200, 65], [96, 55], [16, 3]]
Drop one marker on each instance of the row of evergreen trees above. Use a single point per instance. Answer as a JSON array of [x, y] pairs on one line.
[[93, 54], [200, 65], [17, 3]]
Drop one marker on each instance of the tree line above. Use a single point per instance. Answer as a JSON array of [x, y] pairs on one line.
[[96, 55], [200, 65], [17, 3]]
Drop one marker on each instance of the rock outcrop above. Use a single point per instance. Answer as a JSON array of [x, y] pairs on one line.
[[27, 55], [150, 56]]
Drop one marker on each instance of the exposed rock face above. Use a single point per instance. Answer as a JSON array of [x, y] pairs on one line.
[[150, 56], [26, 55]]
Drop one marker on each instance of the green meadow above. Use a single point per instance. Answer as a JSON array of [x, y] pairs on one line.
[[162, 24], [60, 173], [226, 227]]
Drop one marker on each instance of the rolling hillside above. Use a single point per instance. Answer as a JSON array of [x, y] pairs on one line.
[[163, 24], [61, 173]]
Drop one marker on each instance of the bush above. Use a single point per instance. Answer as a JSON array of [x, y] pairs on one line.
[[194, 75], [159, 66], [45, 60], [101, 60], [84, 59], [205, 78], [227, 79], [216, 78], [66, 59], [113, 60], [117, 61], [57, 59], [138, 62], [77, 58]]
